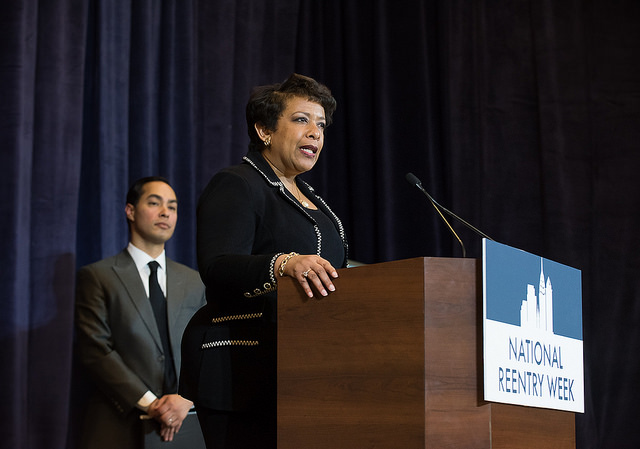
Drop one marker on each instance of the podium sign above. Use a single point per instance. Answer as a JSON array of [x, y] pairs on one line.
[[532, 324]]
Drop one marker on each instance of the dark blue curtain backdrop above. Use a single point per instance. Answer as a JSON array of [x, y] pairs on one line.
[[521, 115]]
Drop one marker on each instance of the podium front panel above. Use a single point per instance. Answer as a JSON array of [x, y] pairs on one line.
[[351, 365]]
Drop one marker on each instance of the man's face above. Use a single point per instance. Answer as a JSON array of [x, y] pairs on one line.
[[153, 219]]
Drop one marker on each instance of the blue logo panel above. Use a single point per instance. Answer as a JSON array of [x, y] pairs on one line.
[[509, 275]]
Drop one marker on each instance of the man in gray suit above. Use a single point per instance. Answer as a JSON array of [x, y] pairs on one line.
[[130, 349]]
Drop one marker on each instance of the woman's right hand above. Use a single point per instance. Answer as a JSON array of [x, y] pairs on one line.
[[310, 271]]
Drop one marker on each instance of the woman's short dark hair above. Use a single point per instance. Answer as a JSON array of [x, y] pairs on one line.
[[267, 103]]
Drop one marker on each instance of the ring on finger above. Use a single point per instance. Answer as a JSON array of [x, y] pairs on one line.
[[306, 273]]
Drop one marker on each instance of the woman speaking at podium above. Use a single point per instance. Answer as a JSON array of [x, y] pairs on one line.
[[258, 222]]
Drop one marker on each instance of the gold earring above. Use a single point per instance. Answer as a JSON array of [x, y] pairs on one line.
[[267, 141]]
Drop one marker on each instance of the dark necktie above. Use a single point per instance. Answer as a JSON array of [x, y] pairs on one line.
[[159, 305]]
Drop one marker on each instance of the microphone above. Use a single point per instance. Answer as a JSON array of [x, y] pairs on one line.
[[414, 181]]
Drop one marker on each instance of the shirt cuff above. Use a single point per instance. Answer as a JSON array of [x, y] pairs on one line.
[[145, 401]]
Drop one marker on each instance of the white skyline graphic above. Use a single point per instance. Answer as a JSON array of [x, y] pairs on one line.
[[537, 312]]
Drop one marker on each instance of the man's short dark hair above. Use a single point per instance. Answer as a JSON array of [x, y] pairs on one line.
[[135, 191]]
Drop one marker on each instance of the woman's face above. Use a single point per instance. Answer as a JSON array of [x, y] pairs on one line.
[[298, 139]]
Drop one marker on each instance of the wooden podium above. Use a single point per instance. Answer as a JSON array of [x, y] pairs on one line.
[[393, 359]]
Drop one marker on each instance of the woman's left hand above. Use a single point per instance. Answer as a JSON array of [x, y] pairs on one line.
[[310, 271]]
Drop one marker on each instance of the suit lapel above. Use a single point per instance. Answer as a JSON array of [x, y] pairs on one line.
[[127, 272]]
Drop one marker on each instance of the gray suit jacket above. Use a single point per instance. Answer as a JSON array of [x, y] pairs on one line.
[[119, 344]]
